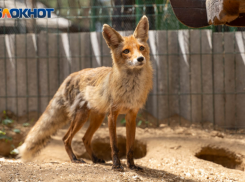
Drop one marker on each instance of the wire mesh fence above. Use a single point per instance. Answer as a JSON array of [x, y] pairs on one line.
[[198, 74]]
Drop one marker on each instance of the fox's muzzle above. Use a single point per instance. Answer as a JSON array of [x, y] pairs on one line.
[[140, 59]]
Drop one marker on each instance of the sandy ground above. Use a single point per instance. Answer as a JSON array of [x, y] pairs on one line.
[[168, 154]]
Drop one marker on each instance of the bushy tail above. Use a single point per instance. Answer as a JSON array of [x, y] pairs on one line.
[[54, 117]]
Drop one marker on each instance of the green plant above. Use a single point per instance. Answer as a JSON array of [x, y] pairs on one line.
[[14, 152], [7, 121], [141, 121], [26, 124], [16, 130], [4, 113], [7, 138], [3, 135], [2, 132], [123, 121], [32, 120]]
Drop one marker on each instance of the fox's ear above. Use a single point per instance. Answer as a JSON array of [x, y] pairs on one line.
[[141, 31], [111, 36]]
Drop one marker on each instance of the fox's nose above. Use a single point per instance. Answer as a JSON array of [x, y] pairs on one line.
[[140, 59]]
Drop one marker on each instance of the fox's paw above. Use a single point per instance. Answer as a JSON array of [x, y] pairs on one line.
[[118, 168], [97, 160], [136, 168], [78, 161]]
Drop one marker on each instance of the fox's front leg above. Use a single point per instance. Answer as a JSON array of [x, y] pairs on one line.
[[112, 122], [130, 130]]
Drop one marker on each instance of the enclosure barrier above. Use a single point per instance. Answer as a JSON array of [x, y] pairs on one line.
[[198, 74]]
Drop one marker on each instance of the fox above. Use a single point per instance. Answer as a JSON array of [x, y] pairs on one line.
[[93, 93]]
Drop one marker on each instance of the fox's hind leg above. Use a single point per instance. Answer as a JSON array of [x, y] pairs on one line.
[[95, 121], [76, 124]]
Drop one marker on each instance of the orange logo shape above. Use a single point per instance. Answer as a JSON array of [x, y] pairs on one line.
[[7, 13]]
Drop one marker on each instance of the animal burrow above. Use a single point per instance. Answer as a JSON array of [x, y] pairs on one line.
[[101, 148], [221, 156]]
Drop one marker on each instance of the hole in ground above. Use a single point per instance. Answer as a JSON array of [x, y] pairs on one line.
[[101, 148], [221, 156]]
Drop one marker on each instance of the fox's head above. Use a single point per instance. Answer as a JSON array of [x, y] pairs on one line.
[[130, 52]]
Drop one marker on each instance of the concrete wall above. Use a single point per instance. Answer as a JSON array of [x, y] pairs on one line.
[[198, 74]]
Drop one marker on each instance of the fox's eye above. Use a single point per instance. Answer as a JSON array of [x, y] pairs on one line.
[[126, 51], [142, 48]]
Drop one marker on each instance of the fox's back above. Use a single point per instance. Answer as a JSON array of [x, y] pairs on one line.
[[93, 76]]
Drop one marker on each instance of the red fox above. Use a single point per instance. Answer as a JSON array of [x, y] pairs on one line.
[[120, 89]]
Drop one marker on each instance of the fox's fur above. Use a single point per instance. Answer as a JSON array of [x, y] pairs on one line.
[[120, 89]]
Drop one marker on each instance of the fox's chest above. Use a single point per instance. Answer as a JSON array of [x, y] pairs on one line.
[[130, 92]]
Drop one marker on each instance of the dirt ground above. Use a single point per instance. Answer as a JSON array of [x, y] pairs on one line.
[[165, 153]]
